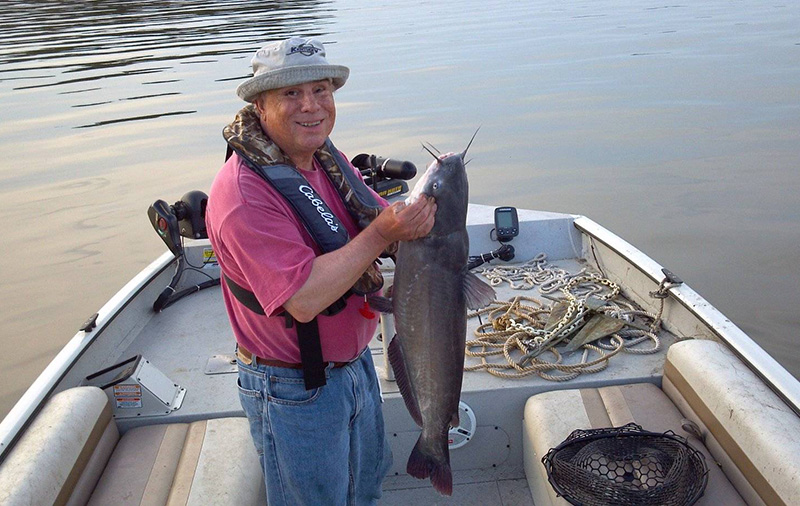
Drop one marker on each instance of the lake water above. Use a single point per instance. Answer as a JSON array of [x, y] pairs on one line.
[[675, 126]]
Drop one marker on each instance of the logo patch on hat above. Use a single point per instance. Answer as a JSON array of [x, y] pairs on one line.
[[304, 49]]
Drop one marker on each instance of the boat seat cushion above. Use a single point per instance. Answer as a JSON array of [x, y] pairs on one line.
[[205, 462], [747, 427], [551, 416], [60, 456], [72, 454]]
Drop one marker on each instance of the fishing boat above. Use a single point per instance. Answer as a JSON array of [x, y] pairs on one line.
[[141, 405]]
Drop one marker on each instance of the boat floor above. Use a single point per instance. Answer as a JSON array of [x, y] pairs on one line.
[[468, 490], [191, 342]]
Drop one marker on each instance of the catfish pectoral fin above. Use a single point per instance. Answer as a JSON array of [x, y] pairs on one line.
[[423, 464], [477, 293], [398, 363], [455, 421], [380, 304]]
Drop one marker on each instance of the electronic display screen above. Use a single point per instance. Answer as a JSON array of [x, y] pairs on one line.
[[504, 220]]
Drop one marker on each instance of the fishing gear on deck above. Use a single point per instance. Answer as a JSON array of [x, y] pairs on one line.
[[626, 466], [589, 316]]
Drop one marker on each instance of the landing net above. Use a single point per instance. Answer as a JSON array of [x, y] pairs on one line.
[[626, 465]]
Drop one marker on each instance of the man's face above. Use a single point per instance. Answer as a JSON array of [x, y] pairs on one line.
[[299, 118]]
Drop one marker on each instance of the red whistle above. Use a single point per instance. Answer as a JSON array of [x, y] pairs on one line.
[[365, 311]]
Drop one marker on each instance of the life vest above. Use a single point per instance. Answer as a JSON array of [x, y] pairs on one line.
[[245, 137]]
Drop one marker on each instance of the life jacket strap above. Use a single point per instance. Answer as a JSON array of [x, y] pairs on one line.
[[308, 338], [249, 300], [243, 295], [311, 354]]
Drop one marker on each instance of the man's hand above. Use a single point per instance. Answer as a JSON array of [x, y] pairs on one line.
[[333, 273], [400, 222]]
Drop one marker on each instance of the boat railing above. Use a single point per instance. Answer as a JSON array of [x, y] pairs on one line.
[[773, 374]]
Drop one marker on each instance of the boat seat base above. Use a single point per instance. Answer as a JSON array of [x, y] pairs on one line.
[[204, 462]]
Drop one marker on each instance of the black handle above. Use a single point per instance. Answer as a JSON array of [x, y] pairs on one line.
[[395, 169]]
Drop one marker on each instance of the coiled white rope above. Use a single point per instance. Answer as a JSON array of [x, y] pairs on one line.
[[523, 333]]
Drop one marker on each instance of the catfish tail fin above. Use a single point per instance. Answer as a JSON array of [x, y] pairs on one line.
[[424, 463]]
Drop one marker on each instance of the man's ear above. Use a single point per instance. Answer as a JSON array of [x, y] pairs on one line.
[[259, 103]]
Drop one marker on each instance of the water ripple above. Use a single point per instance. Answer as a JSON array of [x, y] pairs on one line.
[[135, 118], [63, 45]]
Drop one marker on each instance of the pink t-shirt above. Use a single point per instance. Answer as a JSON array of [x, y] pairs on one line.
[[263, 246]]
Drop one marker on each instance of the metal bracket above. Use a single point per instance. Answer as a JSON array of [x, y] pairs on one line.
[[136, 388], [221, 364]]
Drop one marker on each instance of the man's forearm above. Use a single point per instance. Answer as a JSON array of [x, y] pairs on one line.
[[332, 274]]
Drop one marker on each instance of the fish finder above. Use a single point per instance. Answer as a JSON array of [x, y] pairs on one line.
[[506, 223]]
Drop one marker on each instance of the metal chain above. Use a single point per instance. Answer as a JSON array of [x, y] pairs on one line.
[[516, 327], [526, 276]]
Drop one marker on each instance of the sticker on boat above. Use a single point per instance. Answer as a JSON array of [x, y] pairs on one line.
[[128, 396]]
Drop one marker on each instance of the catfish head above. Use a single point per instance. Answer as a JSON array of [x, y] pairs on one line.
[[445, 180]]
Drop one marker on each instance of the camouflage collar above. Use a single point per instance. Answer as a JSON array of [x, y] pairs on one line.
[[246, 137]]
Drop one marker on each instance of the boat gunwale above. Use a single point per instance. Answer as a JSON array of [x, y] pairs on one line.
[[763, 365], [32, 401]]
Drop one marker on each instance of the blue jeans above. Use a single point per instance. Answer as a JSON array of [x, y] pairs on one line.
[[321, 446]]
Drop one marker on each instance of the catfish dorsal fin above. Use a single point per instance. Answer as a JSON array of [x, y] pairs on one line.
[[478, 294]]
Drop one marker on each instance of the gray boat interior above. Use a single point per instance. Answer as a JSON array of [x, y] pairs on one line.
[[191, 343]]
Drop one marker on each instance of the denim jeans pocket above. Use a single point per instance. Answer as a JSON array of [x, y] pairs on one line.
[[248, 393], [290, 390], [253, 405]]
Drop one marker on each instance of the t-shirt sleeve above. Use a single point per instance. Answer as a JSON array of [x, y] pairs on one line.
[[269, 251]]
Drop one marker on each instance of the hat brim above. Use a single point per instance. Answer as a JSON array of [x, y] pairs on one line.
[[290, 76]]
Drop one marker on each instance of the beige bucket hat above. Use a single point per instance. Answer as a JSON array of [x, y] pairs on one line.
[[288, 62]]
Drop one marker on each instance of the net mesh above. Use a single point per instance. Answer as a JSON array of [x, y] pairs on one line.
[[626, 466]]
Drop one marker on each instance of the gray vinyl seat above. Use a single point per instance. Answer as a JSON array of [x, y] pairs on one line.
[[73, 454]]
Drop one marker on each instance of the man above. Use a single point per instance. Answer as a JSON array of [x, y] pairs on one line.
[[316, 424]]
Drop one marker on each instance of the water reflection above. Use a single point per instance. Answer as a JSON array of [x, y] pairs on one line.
[[105, 105], [136, 118], [71, 46]]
